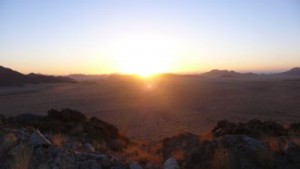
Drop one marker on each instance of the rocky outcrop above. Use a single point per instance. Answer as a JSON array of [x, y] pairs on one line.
[[36, 151], [73, 123], [253, 128], [68, 139], [254, 144], [9, 77]]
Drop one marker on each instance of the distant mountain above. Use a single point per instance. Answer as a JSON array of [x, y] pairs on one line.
[[222, 73], [292, 72], [9, 77]]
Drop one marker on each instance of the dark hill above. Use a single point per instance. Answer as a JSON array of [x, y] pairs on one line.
[[294, 72], [9, 77]]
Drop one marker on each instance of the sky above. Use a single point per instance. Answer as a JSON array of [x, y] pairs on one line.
[[147, 36]]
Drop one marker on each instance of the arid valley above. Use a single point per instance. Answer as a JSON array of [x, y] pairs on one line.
[[156, 108]]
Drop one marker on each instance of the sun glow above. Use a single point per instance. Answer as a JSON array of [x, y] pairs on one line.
[[143, 54]]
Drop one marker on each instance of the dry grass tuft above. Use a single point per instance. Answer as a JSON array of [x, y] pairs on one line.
[[100, 145], [143, 154], [221, 159], [22, 158]]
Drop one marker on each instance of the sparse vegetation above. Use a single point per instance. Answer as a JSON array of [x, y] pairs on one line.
[[143, 154], [22, 157]]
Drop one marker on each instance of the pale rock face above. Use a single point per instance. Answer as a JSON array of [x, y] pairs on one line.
[[37, 138], [171, 163]]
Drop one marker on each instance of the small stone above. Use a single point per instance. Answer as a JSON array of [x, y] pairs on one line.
[[95, 165], [89, 147], [134, 165]]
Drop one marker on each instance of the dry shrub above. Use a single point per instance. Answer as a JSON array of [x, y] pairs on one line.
[[296, 140], [22, 158], [206, 136], [9, 141], [274, 144], [142, 154], [58, 140], [179, 155], [221, 159]]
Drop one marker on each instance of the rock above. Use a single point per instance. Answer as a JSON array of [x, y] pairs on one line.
[[231, 151], [253, 128], [135, 165], [89, 164], [293, 153], [89, 147], [43, 166], [38, 139], [25, 119], [14, 151], [95, 156], [223, 127], [179, 145], [171, 163], [294, 128], [67, 115], [2, 119], [101, 128], [117, 144], [95, 165]]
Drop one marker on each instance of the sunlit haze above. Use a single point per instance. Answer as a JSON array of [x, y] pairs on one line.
[[147, 37]]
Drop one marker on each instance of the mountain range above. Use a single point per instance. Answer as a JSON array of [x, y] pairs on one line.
[[9, 77]]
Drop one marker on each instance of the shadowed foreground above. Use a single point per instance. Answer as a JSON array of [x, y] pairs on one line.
[[68, 139]]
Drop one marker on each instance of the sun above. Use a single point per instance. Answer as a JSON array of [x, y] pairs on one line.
[[144, 55]]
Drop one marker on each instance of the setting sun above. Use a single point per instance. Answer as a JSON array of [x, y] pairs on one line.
[[143, 54]]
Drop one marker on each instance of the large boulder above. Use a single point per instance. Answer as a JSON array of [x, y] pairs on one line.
[[38, 139]]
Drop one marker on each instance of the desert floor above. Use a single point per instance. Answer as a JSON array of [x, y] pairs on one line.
[[153, 109]]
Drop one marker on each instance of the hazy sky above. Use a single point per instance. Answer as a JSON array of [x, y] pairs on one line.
[[62, 37]]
